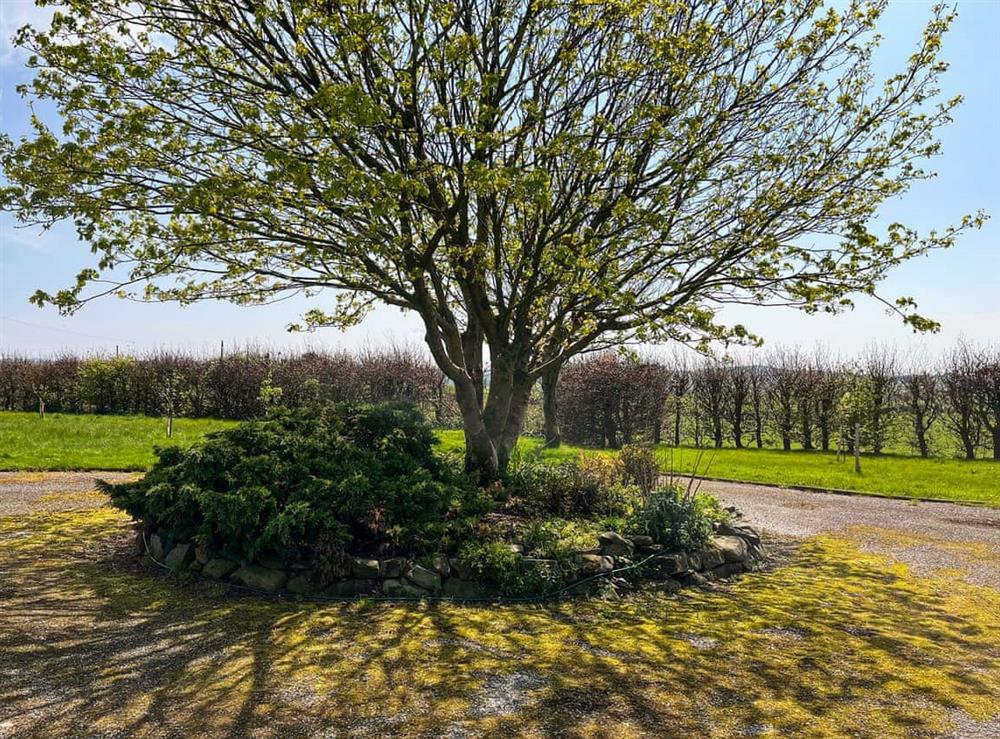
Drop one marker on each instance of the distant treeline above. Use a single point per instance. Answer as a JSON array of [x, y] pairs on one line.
[[789, 399], [783, 398], [238, 385]]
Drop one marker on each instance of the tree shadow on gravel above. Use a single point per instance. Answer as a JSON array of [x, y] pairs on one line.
[[830, 643]]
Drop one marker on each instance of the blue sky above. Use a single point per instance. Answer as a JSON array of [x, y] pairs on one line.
[[960, 288]]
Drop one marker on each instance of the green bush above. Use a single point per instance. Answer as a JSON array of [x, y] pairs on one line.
[[678, 519], [591, 486], [305, 485], [495, 563], [558, 539]]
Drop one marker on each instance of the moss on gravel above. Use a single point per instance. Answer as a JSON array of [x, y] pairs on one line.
[[835, 642]]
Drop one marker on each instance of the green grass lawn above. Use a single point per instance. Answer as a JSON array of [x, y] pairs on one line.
[[82, 442], [68, 442], [896, 475]]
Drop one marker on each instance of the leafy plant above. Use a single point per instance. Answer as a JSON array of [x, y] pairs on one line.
[[587, 487], [557, 538], [495, 563], [304, 484], [678, 518], [639, 466]]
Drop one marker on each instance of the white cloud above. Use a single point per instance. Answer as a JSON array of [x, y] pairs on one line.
[[15, 14]]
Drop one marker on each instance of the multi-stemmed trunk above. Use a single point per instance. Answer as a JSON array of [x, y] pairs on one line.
[[492, 420]]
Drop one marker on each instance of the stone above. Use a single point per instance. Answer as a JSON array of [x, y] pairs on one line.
[[425, 578], [392, 568], [733, 548], [140, 542], [402, 589], [592, 564], [352, 588], [201, 554], [641, 541], [694, 561], [303, 583], [156, 547], [694, 579], [363, 569], [671, 564], [179, 557], [270, 561], [744, 532], [756, 551], [621, 584], [615, 545], [727, 570], [711, 557], [668, 585], [218, 568], [260, 578], [440, 565], [458, 589], [457, 570], [516, 548]]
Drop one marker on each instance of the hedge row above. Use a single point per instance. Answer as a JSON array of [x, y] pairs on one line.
[[787, 399], [784, 398], [236, 386]]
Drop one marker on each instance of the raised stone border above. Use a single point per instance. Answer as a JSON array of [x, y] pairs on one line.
[[628, 562]]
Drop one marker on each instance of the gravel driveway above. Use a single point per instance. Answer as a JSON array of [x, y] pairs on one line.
[[927, 536], [90, 648], [32, 492]]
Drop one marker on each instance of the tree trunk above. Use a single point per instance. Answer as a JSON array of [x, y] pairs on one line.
[[677, 422], [610, 430], [520, 397], [439, 403], [918, 426], [857, 448], [480, 450], [968, 445], [996, 442], [824, 435], [550, 408]]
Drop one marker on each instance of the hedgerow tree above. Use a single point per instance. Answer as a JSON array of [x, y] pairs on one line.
[[529, 177]]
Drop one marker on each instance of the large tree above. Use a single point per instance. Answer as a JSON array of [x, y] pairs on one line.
[[529, 177]]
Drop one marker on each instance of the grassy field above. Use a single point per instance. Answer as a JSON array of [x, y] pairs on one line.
[[75, 442], [67, 442], [895, 475]]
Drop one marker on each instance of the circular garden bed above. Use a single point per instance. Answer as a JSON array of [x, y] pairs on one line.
[[343, 502]]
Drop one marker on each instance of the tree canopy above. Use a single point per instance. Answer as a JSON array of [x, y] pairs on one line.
[[536, 177]]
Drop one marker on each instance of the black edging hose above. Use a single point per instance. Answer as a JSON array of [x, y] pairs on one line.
[[320, 598]]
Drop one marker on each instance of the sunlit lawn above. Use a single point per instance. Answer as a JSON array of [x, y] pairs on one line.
[[83, 442], [896, 475], [66, 442]]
